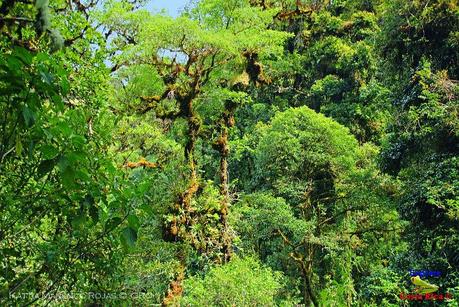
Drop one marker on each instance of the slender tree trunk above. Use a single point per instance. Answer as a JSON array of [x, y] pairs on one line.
[[184, 203], [222, 145], [193, 129]]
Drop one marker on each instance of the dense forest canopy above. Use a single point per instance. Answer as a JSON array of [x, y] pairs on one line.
[[243, 153]]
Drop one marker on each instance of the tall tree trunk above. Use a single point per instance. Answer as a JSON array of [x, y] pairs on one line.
[[308, 294], [194, 126], [222, 145], [184, 202]]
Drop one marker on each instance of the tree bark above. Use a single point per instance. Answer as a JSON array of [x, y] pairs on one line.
[[307, 289], [222, 145]]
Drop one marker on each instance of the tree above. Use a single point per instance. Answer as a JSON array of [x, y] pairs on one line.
[[322, 208], [216, 48]]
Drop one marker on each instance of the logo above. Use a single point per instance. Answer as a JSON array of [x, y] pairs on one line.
[[424, 290], [422, 286]]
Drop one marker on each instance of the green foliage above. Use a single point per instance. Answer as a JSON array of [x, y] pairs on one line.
[[382, 287], [328, 199], [241, 282], [331, 67], [302, 150], [61, 196], [244, 153], [422, 144], [416, 29]]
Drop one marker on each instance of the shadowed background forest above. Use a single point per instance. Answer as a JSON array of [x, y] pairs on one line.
[[241, 153]]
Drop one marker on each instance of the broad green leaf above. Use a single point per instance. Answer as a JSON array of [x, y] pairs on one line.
[[68, 176], [47, 77], [58, 101], [49, 152], [134, 222], [23, 54], [65, 87], [128, 237], [14, 64], [78, 140], [29, 116]]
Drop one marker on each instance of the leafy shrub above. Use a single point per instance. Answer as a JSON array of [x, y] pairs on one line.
[[241, 282]]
